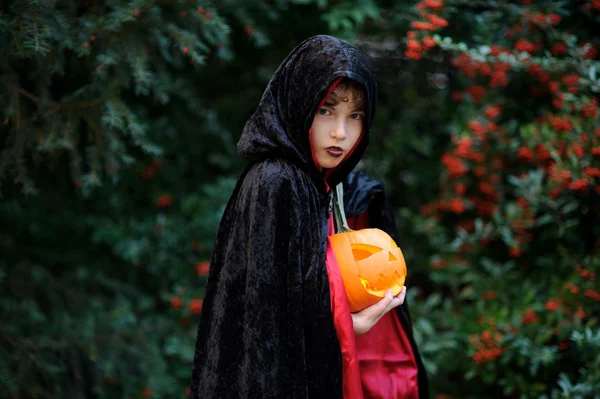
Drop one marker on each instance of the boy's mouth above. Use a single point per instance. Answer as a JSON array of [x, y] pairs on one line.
[[334, 151]]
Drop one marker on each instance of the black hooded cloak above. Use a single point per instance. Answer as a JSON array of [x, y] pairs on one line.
[[364, 193], [266, 328]]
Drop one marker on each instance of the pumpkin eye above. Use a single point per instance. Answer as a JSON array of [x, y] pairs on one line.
[[363, 251]]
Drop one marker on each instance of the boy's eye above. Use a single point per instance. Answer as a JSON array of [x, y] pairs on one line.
[[357, 116], [324, 111]]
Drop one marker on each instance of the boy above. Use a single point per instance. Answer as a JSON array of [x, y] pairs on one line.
[[266, 329]]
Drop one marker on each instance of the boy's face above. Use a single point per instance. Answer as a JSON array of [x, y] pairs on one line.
[[336, 128]]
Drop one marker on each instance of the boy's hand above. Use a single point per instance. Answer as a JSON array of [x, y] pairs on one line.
[[365, 319]]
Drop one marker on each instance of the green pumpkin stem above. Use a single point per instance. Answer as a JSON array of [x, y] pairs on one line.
[[339, 214]]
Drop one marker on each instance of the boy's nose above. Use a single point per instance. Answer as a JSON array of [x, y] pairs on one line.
[[338, 131]]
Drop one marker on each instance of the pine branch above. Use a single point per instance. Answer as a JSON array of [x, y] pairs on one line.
[[58, 106]]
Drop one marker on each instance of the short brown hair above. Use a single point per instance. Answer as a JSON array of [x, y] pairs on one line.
[[352, 87]]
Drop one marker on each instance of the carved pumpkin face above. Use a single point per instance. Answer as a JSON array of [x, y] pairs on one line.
[[370, 263]]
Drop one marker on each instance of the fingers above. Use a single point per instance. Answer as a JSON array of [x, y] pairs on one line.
[[381, 306], [397, 300], [402, 295], [388, 302], [366, 318]]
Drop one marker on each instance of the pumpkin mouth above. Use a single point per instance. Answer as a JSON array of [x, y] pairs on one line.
[[382, 285]]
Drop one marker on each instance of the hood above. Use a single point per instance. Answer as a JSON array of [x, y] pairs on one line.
[[364, 193], [359, 189], [279, 127]]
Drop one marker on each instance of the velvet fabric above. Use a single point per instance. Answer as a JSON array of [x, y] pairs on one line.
[[266, 328], [366, 204]]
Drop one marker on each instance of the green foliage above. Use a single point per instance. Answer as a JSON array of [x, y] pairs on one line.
[[504, 249], [91, 80], [122, 122], [512, 232]]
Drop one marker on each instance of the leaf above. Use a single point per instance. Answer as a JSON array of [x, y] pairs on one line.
[[425, 326]]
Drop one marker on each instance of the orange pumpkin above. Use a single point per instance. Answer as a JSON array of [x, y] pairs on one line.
[[370, 263], [369, 260]]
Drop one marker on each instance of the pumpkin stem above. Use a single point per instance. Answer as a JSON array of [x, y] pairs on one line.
[[339, 214]]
